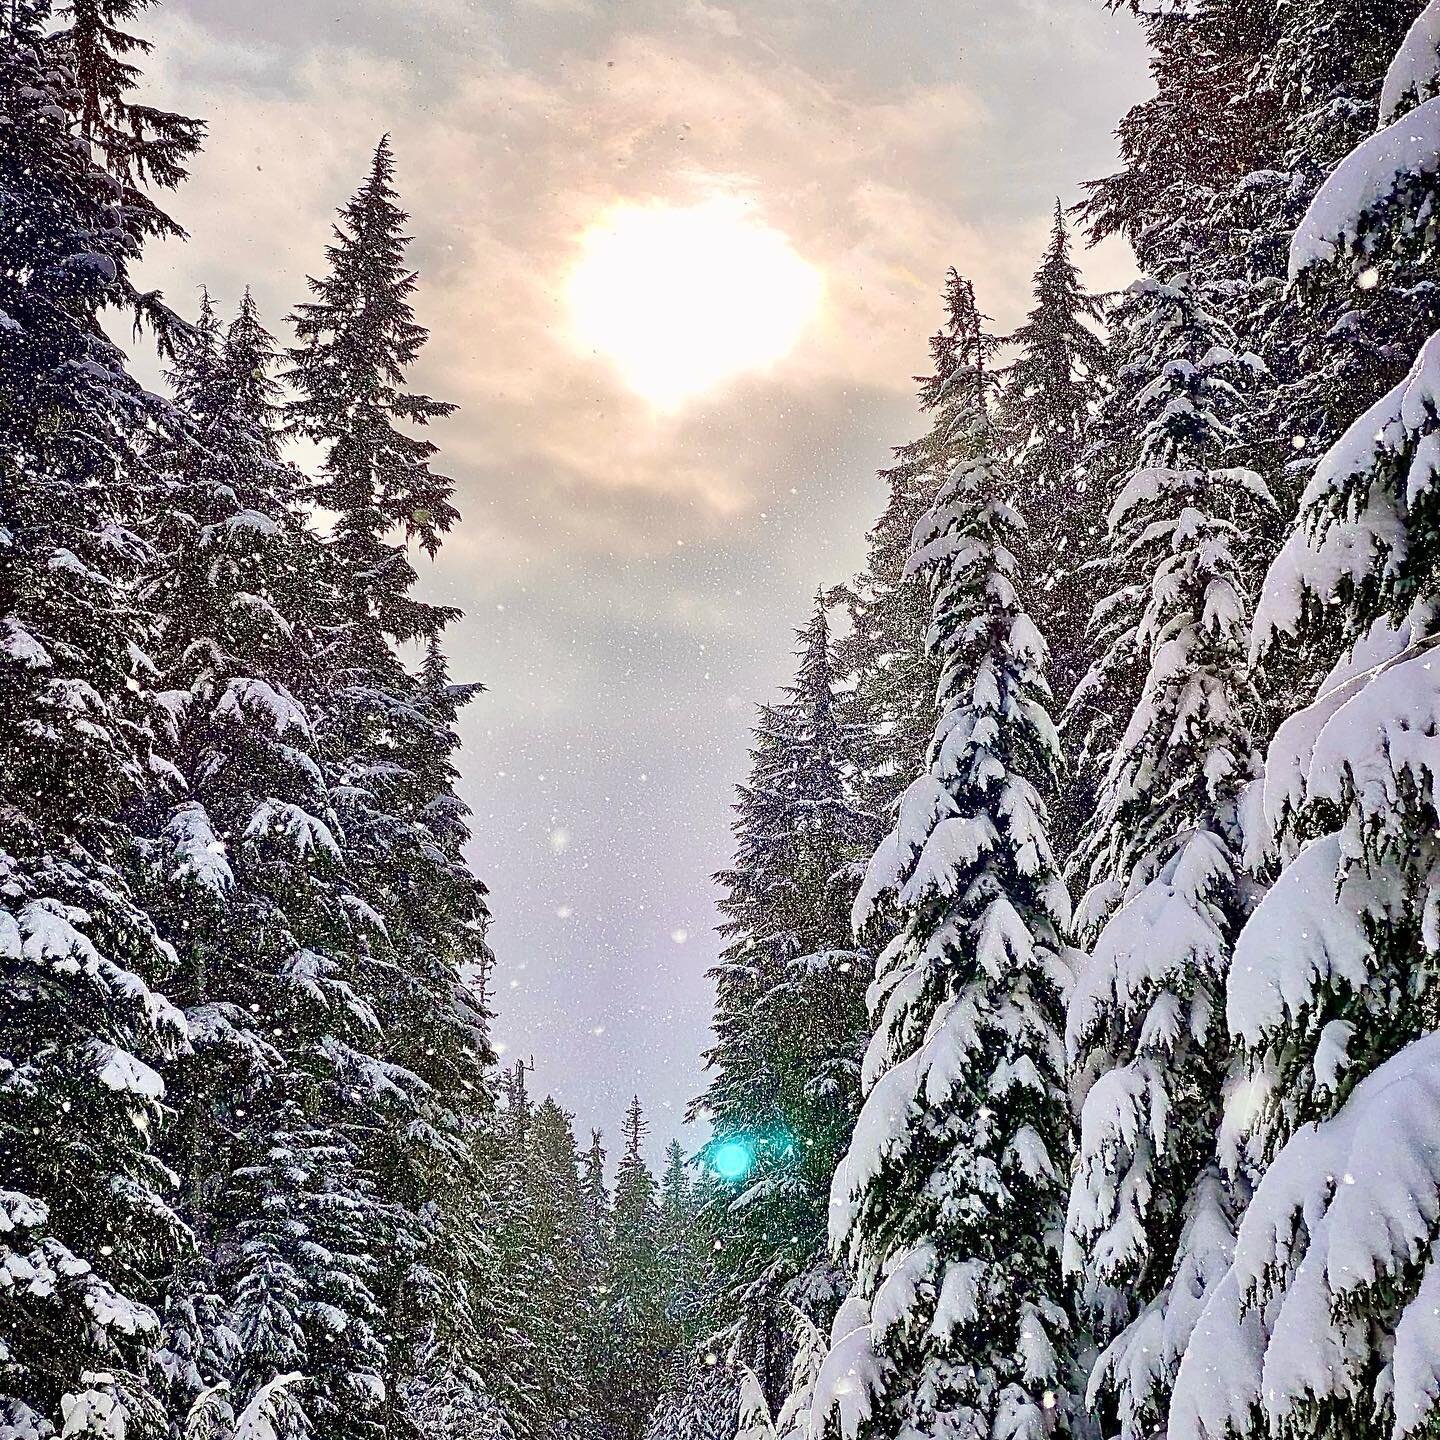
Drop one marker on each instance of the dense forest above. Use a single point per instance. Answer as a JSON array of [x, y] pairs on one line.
[[1073, 1069]]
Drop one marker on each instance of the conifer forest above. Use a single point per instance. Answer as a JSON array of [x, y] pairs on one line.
[[1074, 1063]]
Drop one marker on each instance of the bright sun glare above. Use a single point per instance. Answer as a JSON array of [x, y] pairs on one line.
[[680, 300]]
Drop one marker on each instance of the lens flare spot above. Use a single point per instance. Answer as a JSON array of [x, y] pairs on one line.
[[733, 1160]]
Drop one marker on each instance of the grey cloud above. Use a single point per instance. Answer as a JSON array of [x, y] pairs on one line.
[[631, 582]]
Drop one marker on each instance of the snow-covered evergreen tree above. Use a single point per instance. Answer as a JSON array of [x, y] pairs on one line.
[[143, 148], [949, 1202], [358, 337], [675, 1197], [795, 1417], [88, 1222], [701, 1392], [444, 1397], [1199, 199], [789, 1016], [684, 1255], [595, 1197], [561, 1300], [890, 709], [596, 1250], [1206, 128], [438, 1026], [635, 1302], [388, 732], [1150, 1215], [531, 1357], [1324, 1325], [704, 1405], [250, 887], [1052, 388], [754, 1422], [1338, 342]]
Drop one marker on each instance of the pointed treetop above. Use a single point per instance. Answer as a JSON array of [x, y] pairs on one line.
[[139, 144], [676, 1181], [1058, 250], [754, 1421], [815, 676], [960, 347], [963, 351], [358, 337], [206, 319], [635, 1129]]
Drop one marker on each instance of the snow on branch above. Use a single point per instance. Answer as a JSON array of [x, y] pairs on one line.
[[1415, 71], [1340, 1238], [1347, 211]]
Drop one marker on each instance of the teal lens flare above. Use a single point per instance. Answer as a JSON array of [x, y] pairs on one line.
[[733, 1160]]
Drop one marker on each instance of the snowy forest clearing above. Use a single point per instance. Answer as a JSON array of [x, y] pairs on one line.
[[1076, 1065]]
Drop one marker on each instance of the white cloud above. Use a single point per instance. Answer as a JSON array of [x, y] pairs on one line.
[[504, 168], [613, 649]]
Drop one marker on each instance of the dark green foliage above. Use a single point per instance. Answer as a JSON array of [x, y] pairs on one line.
[[947, 1202], [891, 710], [358, 337], [387, 736], [635, 1301], [83, 1030], [1052, 390], [789, 1017]]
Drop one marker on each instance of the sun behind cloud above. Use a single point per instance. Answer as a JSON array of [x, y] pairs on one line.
[[682, 298]]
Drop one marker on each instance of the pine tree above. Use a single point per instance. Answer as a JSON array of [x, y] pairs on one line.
[[701, 1393], [472, 1367], [83, 1028], [754, 1422], [640, 1331], [516, 1109], [595, 1195], [251, 888], [388, 736], [557, 1221], [1151, 1218], [443, 1397], [892, 707], [438, 1030], [705, 1405], [142, 148], [229, 545], [948, 1202], [1330, 990], [138, 144], [788, 1016], [597, 1264], [1341, 341], [1206, 128], [688, 1270], [682, 1254], [357, 338], [674, 1188], [795, 1418], [531, 1354], [1052, 388], [475, 1359], [1200, 200]]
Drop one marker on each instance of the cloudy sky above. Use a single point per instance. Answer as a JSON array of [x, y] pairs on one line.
[[632, 572]]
